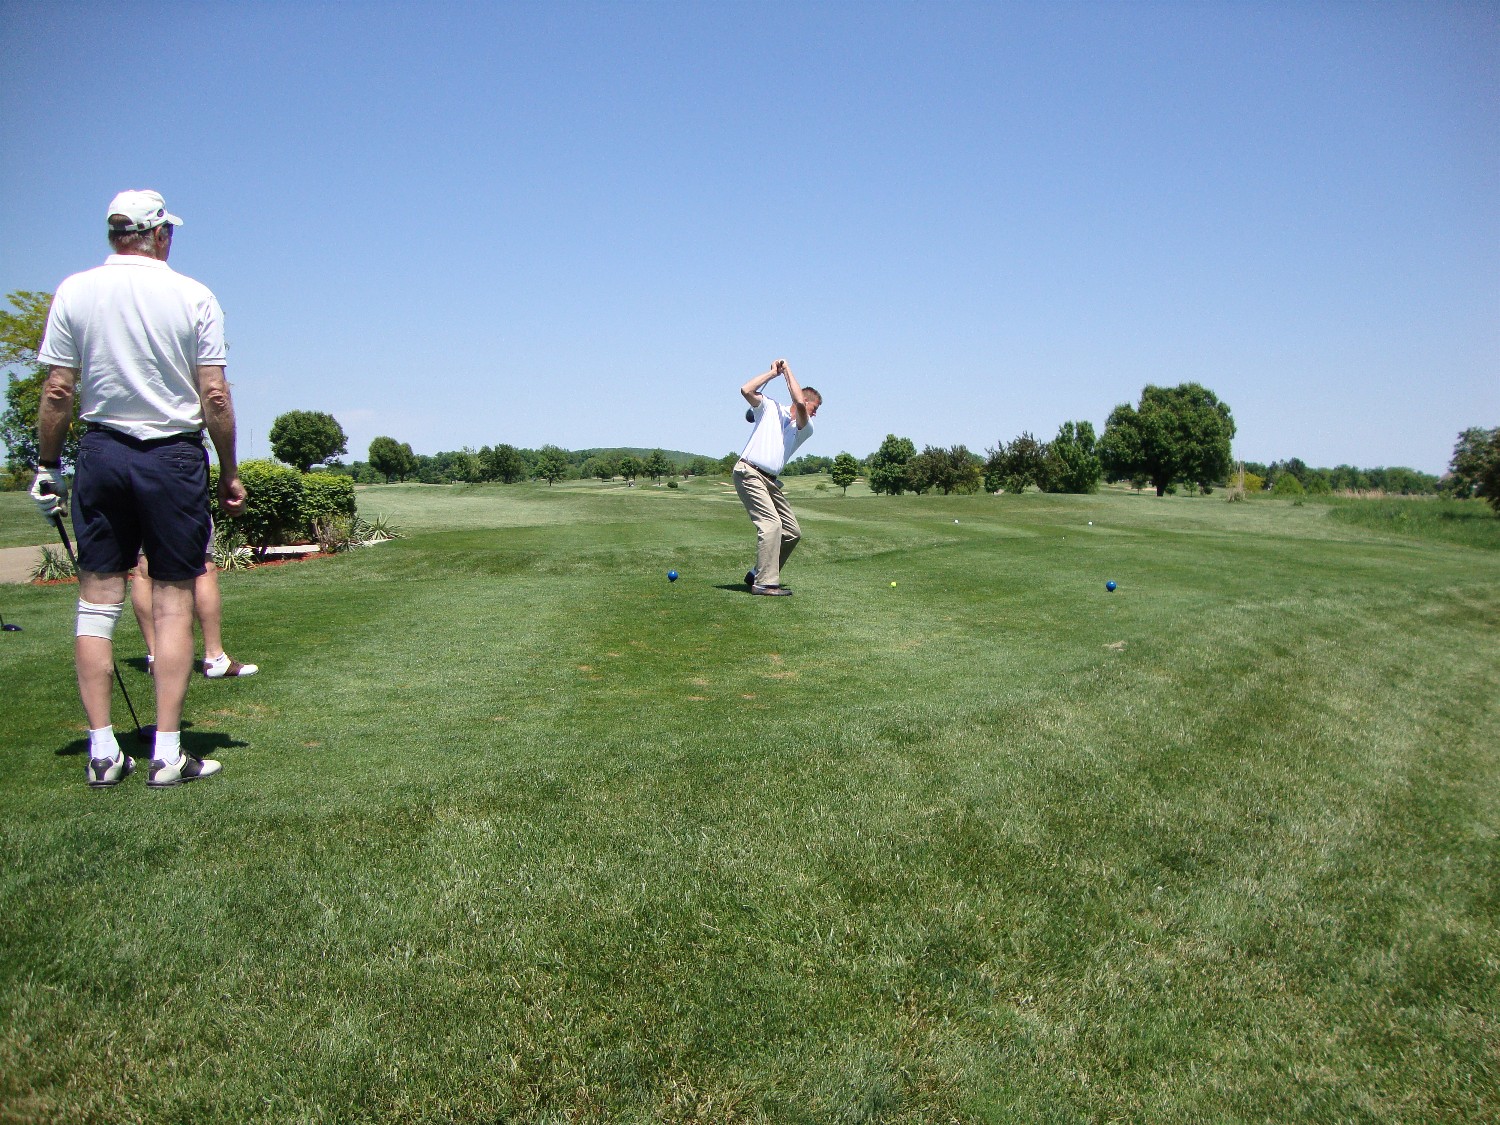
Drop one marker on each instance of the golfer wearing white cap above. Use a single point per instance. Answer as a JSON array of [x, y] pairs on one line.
[[143, 348]]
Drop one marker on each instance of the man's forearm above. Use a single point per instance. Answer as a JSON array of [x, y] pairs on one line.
[[751, 390], [793, 388], [218, 417], [55, 413]]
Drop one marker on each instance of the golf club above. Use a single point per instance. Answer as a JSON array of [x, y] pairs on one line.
[[140, 735], [8, 628]]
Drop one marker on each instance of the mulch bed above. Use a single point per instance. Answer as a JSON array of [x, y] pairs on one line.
[[281, 561]]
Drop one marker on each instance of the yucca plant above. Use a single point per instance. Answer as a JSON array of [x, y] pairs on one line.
[[54, 565], [230, 552], [334, 535], [376, 530]]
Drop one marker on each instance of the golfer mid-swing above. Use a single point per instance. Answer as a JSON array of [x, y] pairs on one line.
[[779, 432]]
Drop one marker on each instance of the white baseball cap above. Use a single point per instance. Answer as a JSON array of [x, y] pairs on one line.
[[146, 210]]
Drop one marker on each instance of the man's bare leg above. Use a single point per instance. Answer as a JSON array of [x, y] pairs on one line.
[[210, 603], [95, 656], [140, 602], [172, 620]]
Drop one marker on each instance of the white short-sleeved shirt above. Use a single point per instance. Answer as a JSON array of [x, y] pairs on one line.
[[137, 331], [775, 437]]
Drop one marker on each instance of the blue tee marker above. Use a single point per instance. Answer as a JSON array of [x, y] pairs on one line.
[[1110, 585], [671, 576]]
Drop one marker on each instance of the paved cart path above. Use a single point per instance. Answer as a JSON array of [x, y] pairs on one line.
[[16, 563]]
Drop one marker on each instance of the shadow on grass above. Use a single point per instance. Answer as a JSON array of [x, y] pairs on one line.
[[199, 745]]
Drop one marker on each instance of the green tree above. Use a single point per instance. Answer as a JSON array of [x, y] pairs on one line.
[[1176, 434], [629, 466], [505, 464], [845, 471], [964, 471], [923, 470], [1288, 484], [459, 465], [948, 470], [1472, 454], [1489, 476], [1072, 462], [392, 459], [808, 465], [599, 467], [1345, 478], [657, 465], [21, 330], [304, 438], [551, 464], [887, 471], [701, 466], [1011, 468]]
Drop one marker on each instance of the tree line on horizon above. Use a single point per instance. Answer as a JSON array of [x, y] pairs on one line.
[[1174, 437]]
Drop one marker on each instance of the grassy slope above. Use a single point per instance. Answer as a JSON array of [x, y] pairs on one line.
[[512, 829]]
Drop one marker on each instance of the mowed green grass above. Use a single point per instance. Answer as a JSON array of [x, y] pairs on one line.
[[511, 829]]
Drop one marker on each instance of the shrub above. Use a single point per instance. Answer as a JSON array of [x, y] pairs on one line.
[[273, 513], [326, 497], [1288, 485]]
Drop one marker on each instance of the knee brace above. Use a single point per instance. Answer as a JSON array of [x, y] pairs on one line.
[[98, 620]]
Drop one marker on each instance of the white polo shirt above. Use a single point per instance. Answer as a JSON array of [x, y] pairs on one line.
[[775, 437], [137, 331]]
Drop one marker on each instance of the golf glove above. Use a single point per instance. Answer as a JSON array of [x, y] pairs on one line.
[[50, 491]]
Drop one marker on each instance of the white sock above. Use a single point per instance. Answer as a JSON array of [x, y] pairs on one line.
[[168, 747], [103, 744]]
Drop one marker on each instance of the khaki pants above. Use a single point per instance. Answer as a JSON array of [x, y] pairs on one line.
[[776, 529]]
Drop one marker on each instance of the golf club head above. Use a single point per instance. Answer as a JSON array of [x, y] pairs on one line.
[[750, 415], [11, 628]]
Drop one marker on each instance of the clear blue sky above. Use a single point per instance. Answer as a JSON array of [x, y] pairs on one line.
[[587, 224]]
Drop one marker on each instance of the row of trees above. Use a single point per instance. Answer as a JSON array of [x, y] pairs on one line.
[[1296, 477], [390, 460], [1174, 436], [1177, 435], [1068, 463]]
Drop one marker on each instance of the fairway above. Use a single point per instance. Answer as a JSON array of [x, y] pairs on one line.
[[512, 829]]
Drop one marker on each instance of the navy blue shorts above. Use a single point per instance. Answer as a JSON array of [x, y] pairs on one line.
[[131, 496]]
